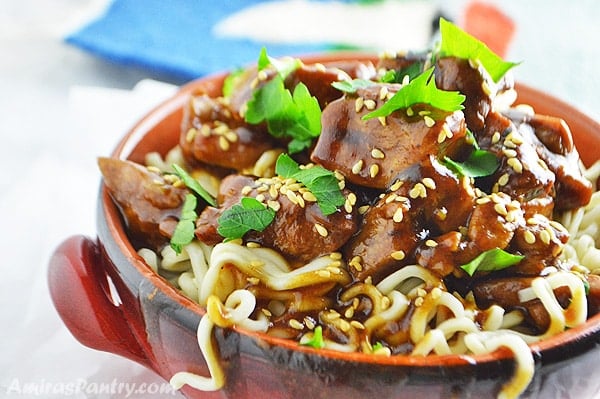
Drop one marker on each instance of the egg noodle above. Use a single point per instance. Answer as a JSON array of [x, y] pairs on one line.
[[229, 279]]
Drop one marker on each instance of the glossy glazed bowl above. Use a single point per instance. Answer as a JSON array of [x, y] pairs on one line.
[[111, 301]]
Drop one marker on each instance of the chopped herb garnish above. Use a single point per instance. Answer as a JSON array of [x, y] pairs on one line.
[[249, 214], [421, 90], [296, 116], [317, 339], [397, 76], [480, 163], [491, 260], [184, 231], [283, 66], [350, 86], [231, 81], [458, 43], [320, 181], [378, 346], [194, 185]]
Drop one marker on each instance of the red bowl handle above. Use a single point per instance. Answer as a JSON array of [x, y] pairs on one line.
[[80, 289]]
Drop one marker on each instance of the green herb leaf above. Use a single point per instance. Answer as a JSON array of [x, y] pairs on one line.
[[421, 90], [283, 66], [378, 345], [296, 116], [263, 59], [458, 43], [249, 214], [320, 181], [184, 231], [397, 76], [317, 339], [480, 163], [350, 86], [194, 185], [491, 260], [231, 81]]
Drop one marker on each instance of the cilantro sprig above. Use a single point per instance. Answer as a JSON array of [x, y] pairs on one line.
[[194, 185], [184, 231], [421, 90], [320, 181], [458, 43], [316, 341], [479, 163], [491, 260], [249, 214], [295, 115], [351, 86]]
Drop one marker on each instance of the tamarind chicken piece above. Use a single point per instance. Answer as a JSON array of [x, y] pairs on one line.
[[148, 201], [372, 152], [213, 133], [426, 200], [297, 220]]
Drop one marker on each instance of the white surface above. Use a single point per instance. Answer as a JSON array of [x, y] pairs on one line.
[[60, 109]]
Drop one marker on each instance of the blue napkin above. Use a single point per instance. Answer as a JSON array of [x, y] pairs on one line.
[[176, 37]]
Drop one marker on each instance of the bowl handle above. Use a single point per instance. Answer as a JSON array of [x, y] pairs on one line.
[[79, 287]]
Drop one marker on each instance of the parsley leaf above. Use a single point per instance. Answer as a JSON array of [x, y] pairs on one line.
[[249, 214], [194, 185], [184, 231], [320, 181], [421, 90], [397, 76], [458, 43], [491, 260], [480, 163], [317, 339], [283, 66], [296, 116], [350, 86]]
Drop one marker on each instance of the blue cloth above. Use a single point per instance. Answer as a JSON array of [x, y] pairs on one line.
[[175, 37]]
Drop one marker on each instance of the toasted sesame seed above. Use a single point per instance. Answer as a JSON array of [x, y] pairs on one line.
[[320, 67], [260, 197], [374, 170], [352, 198], [223, 143], [309, 323], [191, 134], [509, 153], [417, 191], [390, 198], [398, 215], [495, 137], [347, 206], [324, 273], [483, 200], [529, 237], [266, 312], [486, 88], [545, 237], [377, 153], [500, 209], [409, 111], [246, 190], [429, 121], [405, 80], [383, 92], [509, 144], [252, 244], [335, 256], [370, 104], [429, 183], [275, 205], [357, 324], [321, 230], [424, 112], [357, 167], [382, 120], [292, 196], [363, 209], [295, 324], [349, 313], [398, 255], [431, 243], [358, 104], [515, 164], [503, 180], [205, 130], [231, 136], [419, 301]]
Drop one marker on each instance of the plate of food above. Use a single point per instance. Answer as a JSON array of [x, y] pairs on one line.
[[349, 225]]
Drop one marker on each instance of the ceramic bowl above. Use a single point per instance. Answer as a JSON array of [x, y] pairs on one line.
[[111, 301]]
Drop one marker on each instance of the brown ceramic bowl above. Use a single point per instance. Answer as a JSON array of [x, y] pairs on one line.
[[111, 301]]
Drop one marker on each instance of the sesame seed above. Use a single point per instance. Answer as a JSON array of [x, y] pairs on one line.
[[335, 256], [357, 167], [429, 183], [495, 137], [500, 209], [398, 255], [324, 273], [275, 205], [266, 312], [377, 153], [352, 198], [349, 313], [252, 244], [431, 243], [223, 143], [205, 130], [295, 324], [419, 301], [486, 88], [246, 190], [374, 170], [545, 237], [405, 80], [409, 111], [231, 136], [309, 323], [260, 198], [382, 120], [398, 215], [363, 209], [292, 196], [391, 198], [358, 104], [503, 180], [320, 67], [424, 112], [191, 134], [429, 121], [347, 206], [383, 92], [509, 144], [529, 237], [321, 230], [370, 104], [509, 153], [357, 324], [515, 164], [417, 191], [397, 184]]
